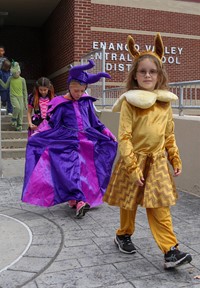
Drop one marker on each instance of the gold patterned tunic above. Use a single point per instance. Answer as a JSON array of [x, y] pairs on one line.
[[146, 143]]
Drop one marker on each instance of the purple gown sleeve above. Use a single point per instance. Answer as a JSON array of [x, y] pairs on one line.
[[56, 117]]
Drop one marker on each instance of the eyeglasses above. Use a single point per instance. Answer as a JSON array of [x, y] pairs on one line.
[[151, 72]]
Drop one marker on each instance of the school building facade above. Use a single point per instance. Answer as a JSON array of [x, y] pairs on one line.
[[76, 27]]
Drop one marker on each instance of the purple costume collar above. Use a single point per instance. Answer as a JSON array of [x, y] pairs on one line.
[[58, 100]]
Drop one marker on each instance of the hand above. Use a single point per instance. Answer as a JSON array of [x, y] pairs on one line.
[[177, 172], [140, 182], [114, 138], [32, 126], [108, 133]]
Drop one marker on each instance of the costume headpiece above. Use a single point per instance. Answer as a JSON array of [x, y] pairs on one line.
[[15, 68], [158, 48], [77, 73]]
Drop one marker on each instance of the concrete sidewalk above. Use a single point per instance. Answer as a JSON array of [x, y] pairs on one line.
[[49, 248], [13, 167]]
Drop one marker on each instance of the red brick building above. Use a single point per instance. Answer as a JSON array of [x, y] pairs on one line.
[[75, 27]]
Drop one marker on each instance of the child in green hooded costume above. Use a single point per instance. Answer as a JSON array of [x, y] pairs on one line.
[[18, 95]]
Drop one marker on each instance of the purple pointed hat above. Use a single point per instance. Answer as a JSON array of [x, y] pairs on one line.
[[77, 73]]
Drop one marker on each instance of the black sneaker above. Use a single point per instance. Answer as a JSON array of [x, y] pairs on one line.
[[174, 258], [125, 244], [81, 209]]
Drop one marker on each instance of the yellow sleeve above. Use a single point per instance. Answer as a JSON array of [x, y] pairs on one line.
[[125, 141], [170, 143]]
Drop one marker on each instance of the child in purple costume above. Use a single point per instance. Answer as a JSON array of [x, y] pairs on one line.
[[76, 152]]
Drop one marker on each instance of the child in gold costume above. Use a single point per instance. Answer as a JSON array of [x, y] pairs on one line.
[[146, 143]]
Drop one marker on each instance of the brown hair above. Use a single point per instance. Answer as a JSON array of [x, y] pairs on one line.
[[162, 82], [44, 82], [6, 64]]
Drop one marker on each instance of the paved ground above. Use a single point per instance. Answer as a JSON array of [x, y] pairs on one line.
[[49, 248]]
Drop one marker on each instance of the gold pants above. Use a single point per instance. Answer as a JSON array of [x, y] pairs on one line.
[[160, 223]]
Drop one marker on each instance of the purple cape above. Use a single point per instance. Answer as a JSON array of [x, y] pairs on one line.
[[71, 160]]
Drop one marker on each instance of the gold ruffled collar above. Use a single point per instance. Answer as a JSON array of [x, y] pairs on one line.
[[143, 99]]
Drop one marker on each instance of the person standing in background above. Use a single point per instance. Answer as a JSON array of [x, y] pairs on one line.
[[38, 101], [2, 57], [5, 93], [18, 95]]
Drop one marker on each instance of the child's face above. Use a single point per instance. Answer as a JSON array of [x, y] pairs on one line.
[[43, 91], [2, 51], [147, 74], [6, 66], [16, 74], [76, 90]]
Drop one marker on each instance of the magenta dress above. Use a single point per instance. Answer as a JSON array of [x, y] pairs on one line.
[[72, 159], [39, 114]]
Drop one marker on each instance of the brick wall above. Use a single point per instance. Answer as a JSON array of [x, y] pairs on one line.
[[66, 37], [144, 19], [58, 48], [151, 20], [82, 28]]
